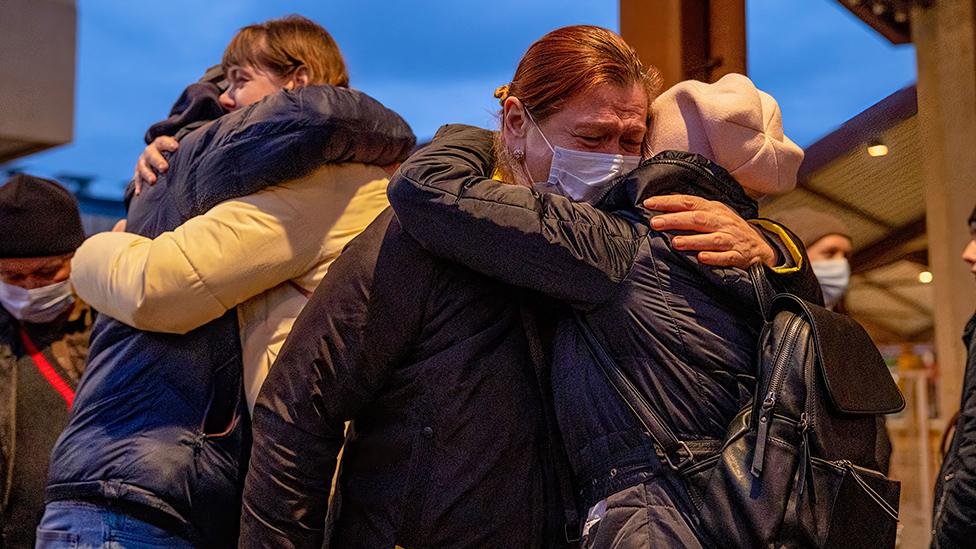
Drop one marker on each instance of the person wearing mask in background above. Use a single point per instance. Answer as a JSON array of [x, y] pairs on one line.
[[224, 250], [954, 515], [829, 246], [44, 333]]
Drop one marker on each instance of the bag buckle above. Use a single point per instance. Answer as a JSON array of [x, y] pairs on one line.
[[683, 459]]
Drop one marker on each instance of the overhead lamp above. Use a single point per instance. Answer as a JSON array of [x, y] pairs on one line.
[[877, 148], [878, 8], [925, 277]]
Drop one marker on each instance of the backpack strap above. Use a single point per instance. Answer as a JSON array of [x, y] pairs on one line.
[[674, 452], [764, 289]]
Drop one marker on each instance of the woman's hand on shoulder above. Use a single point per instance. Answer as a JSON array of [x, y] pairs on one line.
[[724, 239], [151, 162]]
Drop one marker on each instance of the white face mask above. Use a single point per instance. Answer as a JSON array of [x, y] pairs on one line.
[[834, 276], [37, 305], [580, 175]]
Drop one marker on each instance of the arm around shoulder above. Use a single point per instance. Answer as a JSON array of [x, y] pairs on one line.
[[121, 275], [446, 198], [185, 278]]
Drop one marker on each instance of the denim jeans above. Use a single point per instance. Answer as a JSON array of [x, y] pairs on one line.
[[83, 525]]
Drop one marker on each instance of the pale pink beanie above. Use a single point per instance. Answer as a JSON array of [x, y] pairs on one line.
[[733, 124]]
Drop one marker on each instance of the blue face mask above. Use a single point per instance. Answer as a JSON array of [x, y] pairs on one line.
[[37, 305], [580, 175], [834, 276]]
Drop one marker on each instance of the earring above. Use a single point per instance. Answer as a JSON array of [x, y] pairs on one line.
[[518, 154]]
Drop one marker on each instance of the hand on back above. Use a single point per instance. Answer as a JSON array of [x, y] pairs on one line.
[[151, 162], [724, 239]]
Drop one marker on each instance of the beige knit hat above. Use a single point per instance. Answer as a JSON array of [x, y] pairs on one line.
[[732, 123]]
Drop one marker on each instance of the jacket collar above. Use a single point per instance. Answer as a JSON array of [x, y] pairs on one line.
[[677, 172]]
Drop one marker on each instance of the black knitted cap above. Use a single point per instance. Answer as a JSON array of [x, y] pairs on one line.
[[38, 218]]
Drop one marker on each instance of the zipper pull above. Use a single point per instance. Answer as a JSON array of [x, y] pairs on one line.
[[197, 450], [804, 454], [765, 419]]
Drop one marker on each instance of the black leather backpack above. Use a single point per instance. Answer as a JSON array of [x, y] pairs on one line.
[[798, 466]]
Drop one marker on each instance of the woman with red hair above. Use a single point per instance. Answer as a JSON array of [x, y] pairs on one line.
[[442, 369]]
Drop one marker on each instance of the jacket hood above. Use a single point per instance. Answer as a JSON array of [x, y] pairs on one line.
[[198, 104], [283, 137], [678, 172]]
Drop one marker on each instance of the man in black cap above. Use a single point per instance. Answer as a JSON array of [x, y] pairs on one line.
[[44, 333]]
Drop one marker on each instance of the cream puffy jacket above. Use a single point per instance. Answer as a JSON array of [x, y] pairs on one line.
[[261, 253]]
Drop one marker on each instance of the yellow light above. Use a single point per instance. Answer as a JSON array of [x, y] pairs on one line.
[[925, 277], [877, 150]]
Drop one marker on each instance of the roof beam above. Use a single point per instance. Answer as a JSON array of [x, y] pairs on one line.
[[836, 202], [876, 327], [857, 132], [897, 297], [890, 18], [924, 334], [887, 249]]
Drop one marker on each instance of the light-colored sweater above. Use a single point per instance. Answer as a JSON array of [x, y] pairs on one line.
[[263, 253]]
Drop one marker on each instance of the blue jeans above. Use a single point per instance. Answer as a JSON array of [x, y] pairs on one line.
[[83, 525]]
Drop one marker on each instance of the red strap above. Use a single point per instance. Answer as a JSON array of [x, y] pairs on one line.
[[301, 290], [48, 371]]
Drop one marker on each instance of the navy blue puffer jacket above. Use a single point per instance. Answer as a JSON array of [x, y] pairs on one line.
[[159, 426]]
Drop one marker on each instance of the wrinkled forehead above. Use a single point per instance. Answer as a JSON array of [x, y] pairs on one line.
[[33, 266], [609, 105]]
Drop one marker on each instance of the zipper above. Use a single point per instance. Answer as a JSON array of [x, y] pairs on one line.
[[937, 516], [804, 456], [792, 333], [196, 447]]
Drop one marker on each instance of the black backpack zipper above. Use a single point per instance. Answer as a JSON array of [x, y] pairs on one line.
[[791, 334]]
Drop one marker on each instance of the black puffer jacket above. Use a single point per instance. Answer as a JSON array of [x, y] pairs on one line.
[[159, 425], [686, 333], [954, 522], [429, 362]]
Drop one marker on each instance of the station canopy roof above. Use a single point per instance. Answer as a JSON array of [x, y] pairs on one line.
[[881, 200]]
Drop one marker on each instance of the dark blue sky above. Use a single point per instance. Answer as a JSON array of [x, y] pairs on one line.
[[434, 61]]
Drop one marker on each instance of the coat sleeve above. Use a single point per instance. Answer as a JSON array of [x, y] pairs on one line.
[[339, 355], [794, 275], [185, 278], [445, 197]]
